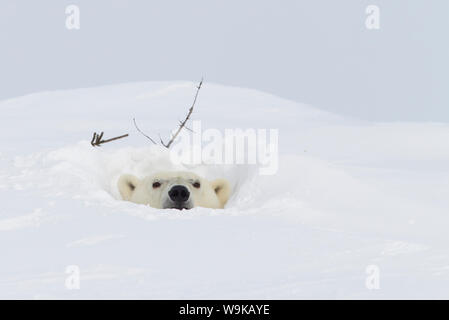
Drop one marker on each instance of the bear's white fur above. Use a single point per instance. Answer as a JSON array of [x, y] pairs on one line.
[[154, 190]]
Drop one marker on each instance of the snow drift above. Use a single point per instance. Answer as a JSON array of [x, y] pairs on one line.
[[348, 194]]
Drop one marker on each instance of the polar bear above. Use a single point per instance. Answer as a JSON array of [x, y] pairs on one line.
[[179, 190]]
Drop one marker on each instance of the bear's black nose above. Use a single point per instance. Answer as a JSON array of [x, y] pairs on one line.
[[179, 194]]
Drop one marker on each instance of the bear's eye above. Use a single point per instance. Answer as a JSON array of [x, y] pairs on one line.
[[197, 185], [156, 184]]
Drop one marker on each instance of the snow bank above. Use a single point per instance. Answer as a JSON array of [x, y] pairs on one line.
[[348, 194]]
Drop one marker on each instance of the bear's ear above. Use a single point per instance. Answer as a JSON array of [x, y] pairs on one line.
[[222, 189], [126, 185]]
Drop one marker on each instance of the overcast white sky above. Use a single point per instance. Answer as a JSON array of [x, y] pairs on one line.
[[313, 51]]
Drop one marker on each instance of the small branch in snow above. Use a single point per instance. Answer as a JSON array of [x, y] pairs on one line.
[[182, 124], [97, 142]]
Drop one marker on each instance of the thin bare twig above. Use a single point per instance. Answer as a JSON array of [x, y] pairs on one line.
[[96, 139], [138, 129], [183, 123]]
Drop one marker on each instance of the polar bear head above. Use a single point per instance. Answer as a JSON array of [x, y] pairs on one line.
[[180, 190]]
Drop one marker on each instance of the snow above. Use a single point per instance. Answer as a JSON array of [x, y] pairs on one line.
[[348, 194]]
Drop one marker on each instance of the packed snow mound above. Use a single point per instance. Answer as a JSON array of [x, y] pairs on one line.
[[347, 194]]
